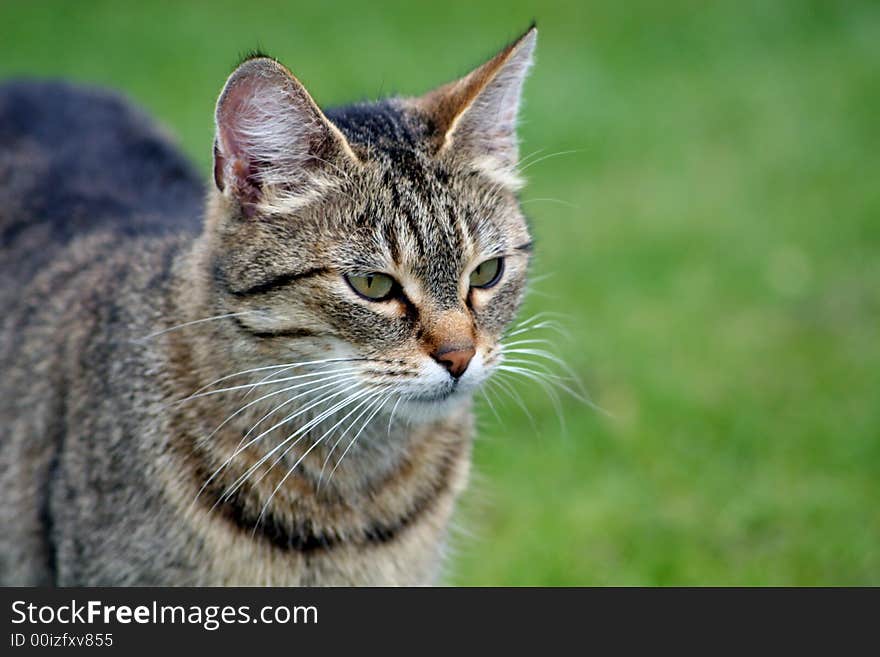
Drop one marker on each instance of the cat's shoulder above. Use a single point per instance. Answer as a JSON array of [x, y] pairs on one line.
[[77, 158]]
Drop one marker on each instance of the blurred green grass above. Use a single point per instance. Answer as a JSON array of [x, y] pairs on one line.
[[713, 240]]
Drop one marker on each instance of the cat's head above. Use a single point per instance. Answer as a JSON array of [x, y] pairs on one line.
[[383, 239]]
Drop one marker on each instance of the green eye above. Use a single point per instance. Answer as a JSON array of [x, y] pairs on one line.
[[375, 287], [487, 273]]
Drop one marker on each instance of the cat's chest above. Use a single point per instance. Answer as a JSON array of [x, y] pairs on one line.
[[395, 535]]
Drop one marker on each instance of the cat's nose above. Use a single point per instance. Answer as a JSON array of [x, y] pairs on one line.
[[454, 358]]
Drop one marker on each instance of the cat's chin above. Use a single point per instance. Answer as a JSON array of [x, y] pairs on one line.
[[435, 407]]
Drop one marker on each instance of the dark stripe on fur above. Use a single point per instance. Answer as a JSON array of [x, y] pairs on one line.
[[288, 333], [52, 475], [276, 283], [301, 535]]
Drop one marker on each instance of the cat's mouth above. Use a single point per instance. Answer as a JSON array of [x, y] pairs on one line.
[[434, 405], [436, 392], [434, 397], [447, 393]]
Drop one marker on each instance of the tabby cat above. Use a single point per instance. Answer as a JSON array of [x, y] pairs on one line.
[[268, 387]]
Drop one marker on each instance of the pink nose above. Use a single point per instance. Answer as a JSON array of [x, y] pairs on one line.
[[454, 358]]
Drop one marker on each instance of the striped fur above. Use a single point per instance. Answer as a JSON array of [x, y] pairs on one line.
[[223, 408]]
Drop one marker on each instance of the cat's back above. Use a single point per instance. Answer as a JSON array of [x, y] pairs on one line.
[[95, 204], [76, 159]]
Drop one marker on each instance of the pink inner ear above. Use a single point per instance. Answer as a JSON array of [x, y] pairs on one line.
[[236, 109], [240, 171], [254, 115], [270, 135], [264, 124], [249, 189], [219, 163]]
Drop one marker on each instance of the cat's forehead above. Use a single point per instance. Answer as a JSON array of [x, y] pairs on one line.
[[420, 214], [414, 212], [383, 127]]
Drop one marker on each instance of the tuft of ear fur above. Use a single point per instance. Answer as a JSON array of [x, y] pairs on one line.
[[274, 149], [476, 115]]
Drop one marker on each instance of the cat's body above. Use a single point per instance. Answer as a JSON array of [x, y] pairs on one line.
[[112, 471]]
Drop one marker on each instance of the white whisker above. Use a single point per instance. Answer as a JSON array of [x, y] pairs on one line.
[[516, 343], [553, 326], [308, 375], [276, 367], [371, 401], [550, 200], [393, 411], [510, 391], [547, 377], [360, 395], [543, 353], [526, 158], [540, 380], [269, 376], [363, 426], [547, 157], [241, 448], [301, 432], [294, 466], [485, 392], [333, 378], [195, 321]]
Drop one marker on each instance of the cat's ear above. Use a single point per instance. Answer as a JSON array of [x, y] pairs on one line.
[[476, 115], [274, 150]]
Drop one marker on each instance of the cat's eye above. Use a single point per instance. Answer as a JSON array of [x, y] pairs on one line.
[[487, 273], [375, 287]]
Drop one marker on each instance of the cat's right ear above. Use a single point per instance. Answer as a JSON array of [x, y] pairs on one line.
[[476, 115], [274, 150]]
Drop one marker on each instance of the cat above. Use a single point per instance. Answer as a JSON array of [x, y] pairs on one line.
[[268, 383]]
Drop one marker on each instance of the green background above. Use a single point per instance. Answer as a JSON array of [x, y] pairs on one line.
[[713, 242]]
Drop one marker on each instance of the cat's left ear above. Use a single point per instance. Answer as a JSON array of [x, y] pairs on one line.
[[476, 115], [274, 149]]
